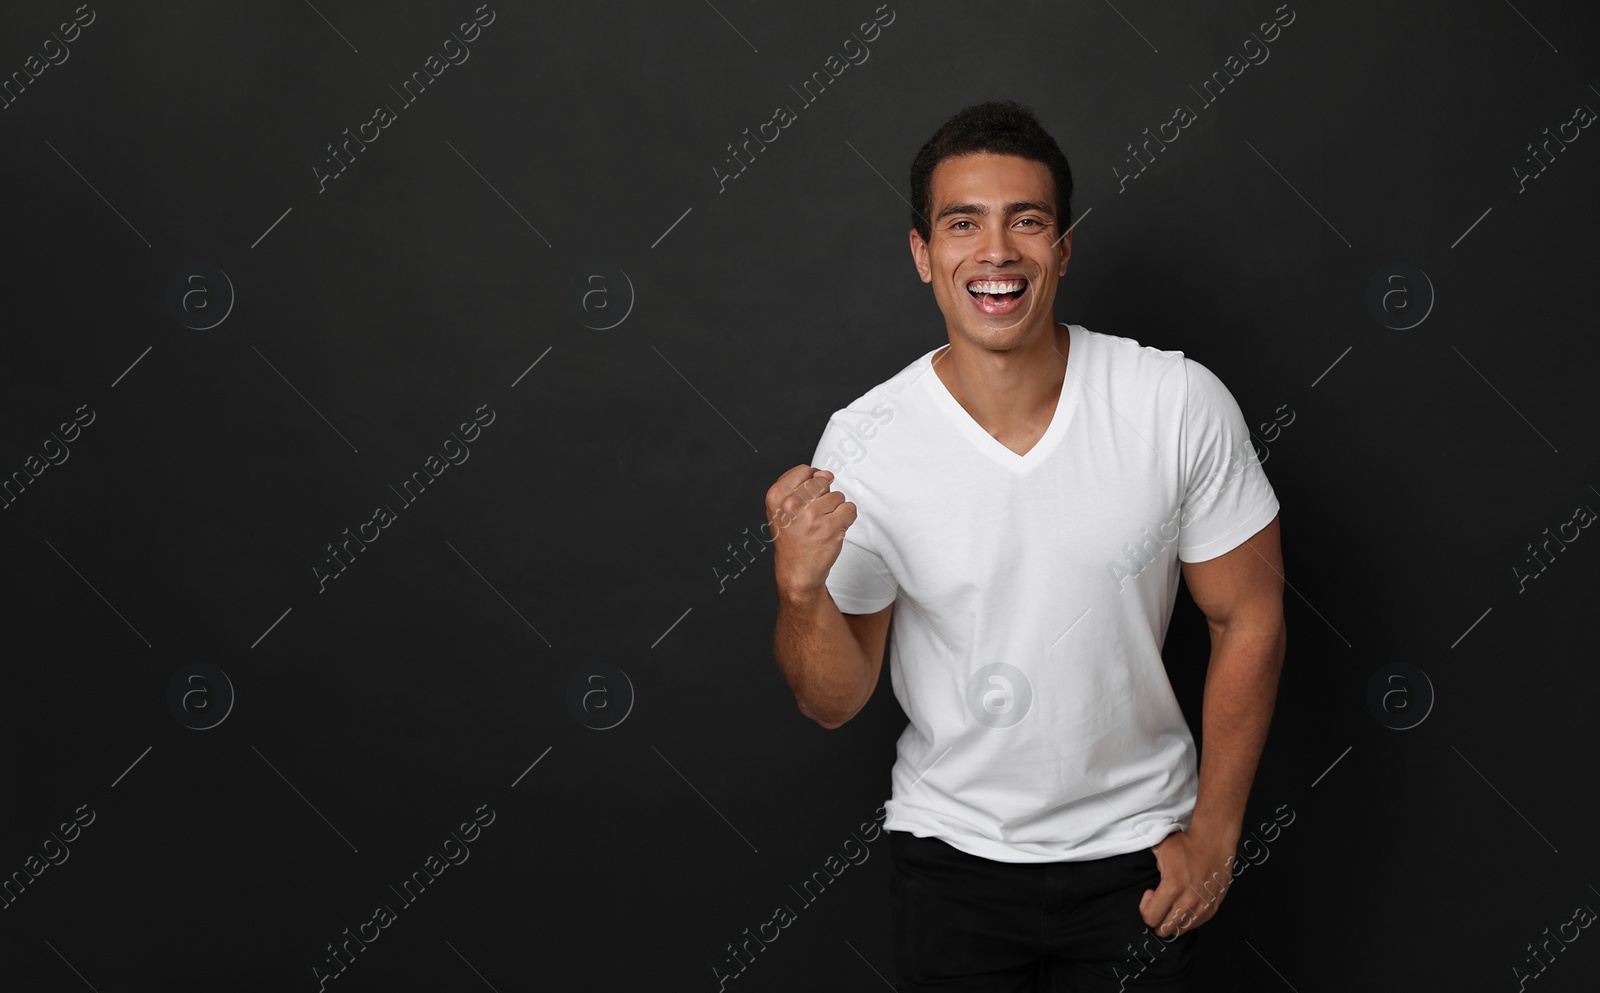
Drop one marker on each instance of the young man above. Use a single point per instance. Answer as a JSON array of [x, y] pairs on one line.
[[1023, 499]]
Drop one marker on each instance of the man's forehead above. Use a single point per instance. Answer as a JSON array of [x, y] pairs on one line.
[[991, 179]]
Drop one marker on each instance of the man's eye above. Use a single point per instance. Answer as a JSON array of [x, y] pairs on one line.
[[957, 224], [1031, 220]]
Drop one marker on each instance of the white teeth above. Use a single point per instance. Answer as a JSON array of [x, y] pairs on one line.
[[996, 285]]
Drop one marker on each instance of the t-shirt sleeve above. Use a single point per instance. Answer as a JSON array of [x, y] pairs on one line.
[[859, 581], [1226, 495]]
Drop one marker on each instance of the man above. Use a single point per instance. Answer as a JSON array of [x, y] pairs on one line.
[[1022, 499]]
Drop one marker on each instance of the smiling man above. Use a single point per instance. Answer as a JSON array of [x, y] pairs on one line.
[[1022, 501]]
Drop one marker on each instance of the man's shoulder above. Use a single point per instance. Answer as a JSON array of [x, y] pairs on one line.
[[1125, 366], [888, 407], [1122, 352], [901, 382], [895, 391]]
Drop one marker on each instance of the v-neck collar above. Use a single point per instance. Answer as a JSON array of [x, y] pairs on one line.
[[988, 443]]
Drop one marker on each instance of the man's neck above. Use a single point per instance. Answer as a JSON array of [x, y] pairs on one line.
[[1011, 394]]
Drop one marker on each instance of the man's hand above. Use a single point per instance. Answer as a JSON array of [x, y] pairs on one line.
[[1196, 871], [808, 522]]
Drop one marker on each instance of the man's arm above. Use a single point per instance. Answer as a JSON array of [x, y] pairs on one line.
[[1241, 594], [831, 659]]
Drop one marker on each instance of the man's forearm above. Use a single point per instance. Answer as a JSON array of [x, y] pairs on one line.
[[1241, 690], [821, 659]]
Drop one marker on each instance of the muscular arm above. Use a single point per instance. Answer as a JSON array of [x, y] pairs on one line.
[[831, 659], [1241, 594]]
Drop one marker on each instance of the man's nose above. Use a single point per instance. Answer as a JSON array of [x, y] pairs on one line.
[[998, 245]]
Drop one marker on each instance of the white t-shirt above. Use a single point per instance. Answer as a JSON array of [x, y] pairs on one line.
[[1032, 593]]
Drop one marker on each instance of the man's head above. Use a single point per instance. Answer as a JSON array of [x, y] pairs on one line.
[[1000, 127], [991, 194]]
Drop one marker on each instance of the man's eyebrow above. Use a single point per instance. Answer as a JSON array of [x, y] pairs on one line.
[[979, 209]]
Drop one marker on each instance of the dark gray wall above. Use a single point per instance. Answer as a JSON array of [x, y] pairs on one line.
[[539, 240]]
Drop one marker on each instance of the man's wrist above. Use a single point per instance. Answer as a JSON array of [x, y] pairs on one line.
[[804, 599], [1217, 827]]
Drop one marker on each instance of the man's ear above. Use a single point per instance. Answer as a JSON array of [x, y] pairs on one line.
[[1066, 252], [919, 255]]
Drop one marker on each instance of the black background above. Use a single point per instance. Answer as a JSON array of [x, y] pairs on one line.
[[446, 271]]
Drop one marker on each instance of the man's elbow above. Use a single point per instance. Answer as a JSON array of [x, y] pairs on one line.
[[1258, 617], [829, 720]]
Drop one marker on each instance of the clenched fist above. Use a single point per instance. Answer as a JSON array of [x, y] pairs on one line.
[[808, 522]]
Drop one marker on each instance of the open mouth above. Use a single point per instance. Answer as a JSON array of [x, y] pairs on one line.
[[997, 296]]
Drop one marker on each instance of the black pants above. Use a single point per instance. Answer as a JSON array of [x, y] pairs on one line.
[[964, 923]]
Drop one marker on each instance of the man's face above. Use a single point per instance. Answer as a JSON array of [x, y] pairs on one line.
[[994, 229]]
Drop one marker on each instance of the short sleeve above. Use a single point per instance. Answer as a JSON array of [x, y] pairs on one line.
[[859, 582], [1226, 495]]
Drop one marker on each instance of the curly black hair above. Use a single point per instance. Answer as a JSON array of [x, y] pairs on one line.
[[1001, 127]]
